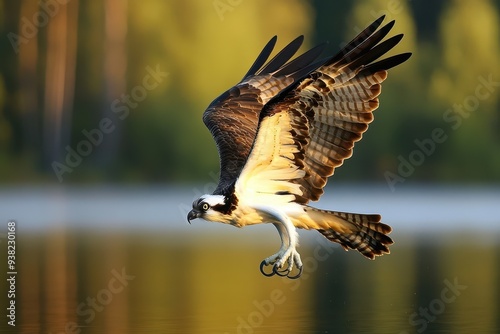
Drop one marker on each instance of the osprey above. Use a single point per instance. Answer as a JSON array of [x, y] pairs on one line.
[[283, 130]]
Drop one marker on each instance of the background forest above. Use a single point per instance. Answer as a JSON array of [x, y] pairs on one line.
[[114, 90]]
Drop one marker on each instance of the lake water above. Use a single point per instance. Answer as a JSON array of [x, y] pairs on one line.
[[126, 261]]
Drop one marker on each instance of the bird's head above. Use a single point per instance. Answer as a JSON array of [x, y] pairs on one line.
[[208, 207]]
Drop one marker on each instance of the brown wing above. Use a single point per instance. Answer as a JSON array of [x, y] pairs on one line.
[[338, 100], [233, 117], [310, 128]]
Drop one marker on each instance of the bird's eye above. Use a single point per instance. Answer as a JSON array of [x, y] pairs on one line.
[[205, 206]]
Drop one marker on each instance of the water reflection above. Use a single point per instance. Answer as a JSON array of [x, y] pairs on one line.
[[81, 282]]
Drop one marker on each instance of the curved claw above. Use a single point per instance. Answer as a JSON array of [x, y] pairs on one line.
[[262, 264], [283, 273], [296, 276]]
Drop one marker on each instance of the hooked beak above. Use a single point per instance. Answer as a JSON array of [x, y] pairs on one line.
[[192, 215]]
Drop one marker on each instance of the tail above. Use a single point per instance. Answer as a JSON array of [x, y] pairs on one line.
[[364, 233]]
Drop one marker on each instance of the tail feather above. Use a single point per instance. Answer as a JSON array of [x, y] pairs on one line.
[[362, 232]]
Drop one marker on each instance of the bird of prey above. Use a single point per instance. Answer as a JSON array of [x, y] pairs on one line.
[[282, 131]]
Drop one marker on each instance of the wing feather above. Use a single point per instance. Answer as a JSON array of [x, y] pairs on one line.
[[233, 117], [355, 43], [309, 128], [274, 161], [283, 56], [261, 58]]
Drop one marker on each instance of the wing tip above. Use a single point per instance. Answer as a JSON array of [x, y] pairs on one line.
[[262, 57]]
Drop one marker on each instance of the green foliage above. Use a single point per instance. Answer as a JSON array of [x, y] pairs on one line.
[[206, 47]]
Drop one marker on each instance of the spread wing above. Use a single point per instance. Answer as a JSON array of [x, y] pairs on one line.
[[233, 117], [310, 128]]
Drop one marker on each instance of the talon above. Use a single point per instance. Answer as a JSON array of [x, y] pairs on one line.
[[283, 273], [262, 264], [296, 276]]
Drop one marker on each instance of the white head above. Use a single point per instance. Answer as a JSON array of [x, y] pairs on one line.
[[209, 207]]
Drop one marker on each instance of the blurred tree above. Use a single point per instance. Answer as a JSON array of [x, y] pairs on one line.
[[11, 138], [331, 21], [115, 68], [102, 50], [28, 82], [59, 77], [469, 60], [470, 47], [427, 20]]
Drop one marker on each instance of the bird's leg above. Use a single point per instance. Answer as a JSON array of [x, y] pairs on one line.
[[290, 255], [287, 252], [285, 242]]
